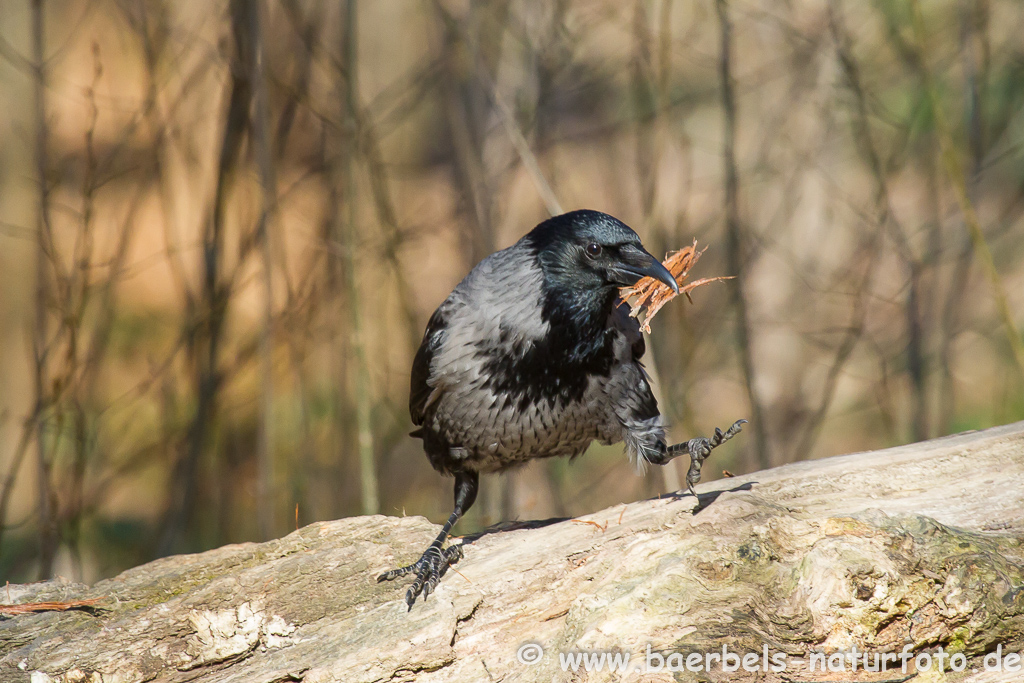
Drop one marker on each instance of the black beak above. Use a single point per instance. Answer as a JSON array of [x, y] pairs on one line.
[[635, 263]]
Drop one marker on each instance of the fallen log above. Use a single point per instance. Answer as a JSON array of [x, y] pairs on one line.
[[904, 550]]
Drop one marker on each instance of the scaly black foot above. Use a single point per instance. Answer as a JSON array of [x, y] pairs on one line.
[[429, 569], [700, 448]]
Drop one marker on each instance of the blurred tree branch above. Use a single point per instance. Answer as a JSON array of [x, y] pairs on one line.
[[45, 259], [955, 172], [737, 244], [210, 311], [349, 109], [268, 213]]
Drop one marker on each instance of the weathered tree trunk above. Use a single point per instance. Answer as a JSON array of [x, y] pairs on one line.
[[921, 545]]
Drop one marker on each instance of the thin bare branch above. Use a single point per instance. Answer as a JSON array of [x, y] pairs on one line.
[[735, 234]]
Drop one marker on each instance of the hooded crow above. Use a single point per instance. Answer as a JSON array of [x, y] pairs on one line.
[[532, 356]]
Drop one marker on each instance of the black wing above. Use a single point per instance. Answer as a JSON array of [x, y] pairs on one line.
[[419, 390], [630, 328]]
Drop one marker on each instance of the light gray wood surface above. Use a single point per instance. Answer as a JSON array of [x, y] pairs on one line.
[[919, 545]]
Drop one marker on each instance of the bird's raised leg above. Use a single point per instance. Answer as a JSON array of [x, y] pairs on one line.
[[699, 449], [436, 559]]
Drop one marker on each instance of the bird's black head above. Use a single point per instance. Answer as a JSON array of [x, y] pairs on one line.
[[591, 254]]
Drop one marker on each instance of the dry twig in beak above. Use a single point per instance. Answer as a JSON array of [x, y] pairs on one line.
[[652, 294]]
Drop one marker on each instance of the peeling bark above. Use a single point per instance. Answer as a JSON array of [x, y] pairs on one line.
[[920, 545]]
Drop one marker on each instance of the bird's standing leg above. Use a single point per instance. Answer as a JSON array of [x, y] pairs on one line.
[[698, 449], [436, 559]]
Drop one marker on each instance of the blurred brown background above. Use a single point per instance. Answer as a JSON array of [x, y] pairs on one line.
[[225, 224]]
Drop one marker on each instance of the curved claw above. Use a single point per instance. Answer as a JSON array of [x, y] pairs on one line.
[[395, 573], [429, 569], [700, 448]]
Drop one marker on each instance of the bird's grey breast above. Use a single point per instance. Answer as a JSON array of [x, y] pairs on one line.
[[492, 378]]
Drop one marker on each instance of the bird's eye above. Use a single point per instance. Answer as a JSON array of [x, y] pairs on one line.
[[593, 250]]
